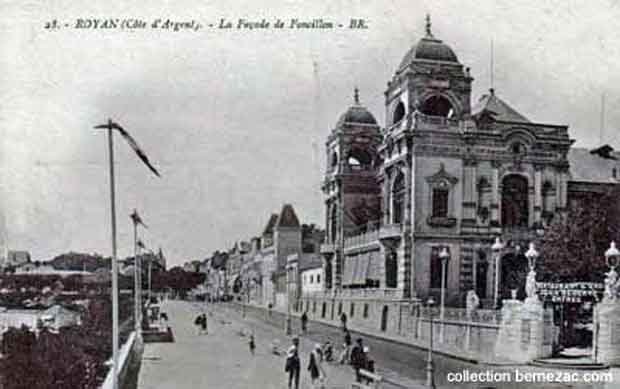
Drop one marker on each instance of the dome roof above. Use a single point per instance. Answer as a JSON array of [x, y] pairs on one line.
[[429, 48], [356, 114]]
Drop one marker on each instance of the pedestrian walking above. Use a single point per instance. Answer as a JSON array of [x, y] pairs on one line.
[[315, 367], [205, 327], [328, 352], [252, 344], [343, 321], [345, 357], [198, 324], [304, 322], [370, 363], [293, 364], [358, 360]]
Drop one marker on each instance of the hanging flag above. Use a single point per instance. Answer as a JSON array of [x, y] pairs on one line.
[[140, 244], [132, 143], [137, 219]]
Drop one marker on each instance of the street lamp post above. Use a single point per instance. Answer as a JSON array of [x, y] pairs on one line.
[[444, 256], [497, 248], [612, 258], [530, 285], [430, 373]]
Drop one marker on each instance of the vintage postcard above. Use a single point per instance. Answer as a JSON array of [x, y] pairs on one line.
[[328, 194]]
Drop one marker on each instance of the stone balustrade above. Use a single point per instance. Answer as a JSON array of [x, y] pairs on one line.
[[362, 239]]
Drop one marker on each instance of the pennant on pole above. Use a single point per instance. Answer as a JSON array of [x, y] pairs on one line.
[[137, 219], [132, 143]]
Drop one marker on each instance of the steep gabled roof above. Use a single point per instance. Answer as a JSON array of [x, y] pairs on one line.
[[497, 109], [270, 224], [287, 217]]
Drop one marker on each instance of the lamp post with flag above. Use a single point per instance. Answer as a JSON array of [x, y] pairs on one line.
[[110, 126], [137, 220]]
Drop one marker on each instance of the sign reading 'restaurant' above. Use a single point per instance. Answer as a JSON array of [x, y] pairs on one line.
[[569, 292]]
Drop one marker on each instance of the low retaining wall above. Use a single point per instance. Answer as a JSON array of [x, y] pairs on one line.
[[471, 335], [130, 358]]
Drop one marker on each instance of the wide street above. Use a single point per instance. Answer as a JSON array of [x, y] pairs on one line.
[[222, 359]]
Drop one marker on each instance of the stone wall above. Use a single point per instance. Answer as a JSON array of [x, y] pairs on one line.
[[607, 318], [474, 334]]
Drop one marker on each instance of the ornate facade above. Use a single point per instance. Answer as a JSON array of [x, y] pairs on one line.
[[442, 173]]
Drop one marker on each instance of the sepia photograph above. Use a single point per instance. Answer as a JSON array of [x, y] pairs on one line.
[[337, 194]]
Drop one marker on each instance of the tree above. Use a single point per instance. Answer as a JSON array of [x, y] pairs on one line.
[[573, 247]]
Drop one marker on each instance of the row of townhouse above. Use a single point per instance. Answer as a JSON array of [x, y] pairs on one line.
[[256, 270]]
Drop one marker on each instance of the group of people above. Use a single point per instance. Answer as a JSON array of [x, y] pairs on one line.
[[358, 355], [315, 365]]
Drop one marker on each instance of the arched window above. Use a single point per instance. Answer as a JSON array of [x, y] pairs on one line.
[[398, 198], [359, 159], [515, 210], [399, 112], [437, 106]]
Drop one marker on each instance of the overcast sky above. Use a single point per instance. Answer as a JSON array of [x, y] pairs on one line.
[[230, 117]]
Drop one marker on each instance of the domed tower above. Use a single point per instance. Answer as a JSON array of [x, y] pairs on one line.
[[431, 80], [352, 194]]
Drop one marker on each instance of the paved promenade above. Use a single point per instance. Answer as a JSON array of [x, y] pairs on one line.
[[222, 359]]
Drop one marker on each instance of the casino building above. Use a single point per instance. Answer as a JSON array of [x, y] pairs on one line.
[[442, 172]]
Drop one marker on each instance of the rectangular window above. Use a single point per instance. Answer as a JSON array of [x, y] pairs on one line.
[[318, 278], [440, 202], [365, 311], [311, 278], [352, 310]]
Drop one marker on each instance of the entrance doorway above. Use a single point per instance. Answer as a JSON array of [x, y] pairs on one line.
[[514, 270], [576, 327]]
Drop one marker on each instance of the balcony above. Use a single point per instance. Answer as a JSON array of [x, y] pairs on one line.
[[362, 239], [426, 122], [373, 293]]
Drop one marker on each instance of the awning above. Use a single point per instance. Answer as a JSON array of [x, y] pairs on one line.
[[361, 270], [375, 265], [349, 270]]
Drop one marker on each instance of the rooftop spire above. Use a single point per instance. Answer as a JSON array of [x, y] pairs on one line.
[[428, 25], [356, 96]]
